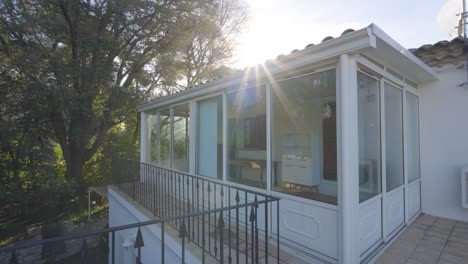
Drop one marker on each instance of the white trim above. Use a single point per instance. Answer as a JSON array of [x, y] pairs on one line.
[[383, 155], [171, 136], [405, 153], [193, 135], [268, 137], [143, 136], [304, 200], [370, 200], [387, 39], [348, 182], [382, 72], [158, 137], [225, 137]]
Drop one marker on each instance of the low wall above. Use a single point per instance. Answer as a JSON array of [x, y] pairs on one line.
[[122, 212]]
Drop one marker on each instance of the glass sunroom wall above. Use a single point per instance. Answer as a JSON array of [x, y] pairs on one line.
[[165, 138], [153, 137], [369, 136], [246, 114], [209, 144], [412, 137], [181, 137], [393, 97], [304, 143]]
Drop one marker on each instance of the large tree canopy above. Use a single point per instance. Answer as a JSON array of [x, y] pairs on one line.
[[89, 63]]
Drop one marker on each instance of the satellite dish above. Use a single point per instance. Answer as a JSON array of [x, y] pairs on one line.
[[450, 17]]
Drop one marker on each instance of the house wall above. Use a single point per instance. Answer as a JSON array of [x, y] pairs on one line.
[[122, 212], [444, 143]]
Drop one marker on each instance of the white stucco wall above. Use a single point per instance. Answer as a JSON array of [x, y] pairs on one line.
[[444, 143]]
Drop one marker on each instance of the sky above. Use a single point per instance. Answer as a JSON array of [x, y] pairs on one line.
[[279, 26]]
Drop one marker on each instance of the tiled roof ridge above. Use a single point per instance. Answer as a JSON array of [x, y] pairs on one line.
[[441, 53], [441, 43]]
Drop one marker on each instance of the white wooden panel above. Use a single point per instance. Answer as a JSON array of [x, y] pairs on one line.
[[310, 226], [414, 198], [394, 212], [370, 224]]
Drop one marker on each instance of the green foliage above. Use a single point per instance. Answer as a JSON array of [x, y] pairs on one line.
[[71, 76]]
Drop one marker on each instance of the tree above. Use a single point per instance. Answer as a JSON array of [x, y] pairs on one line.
[[208, 45], [90, 63]]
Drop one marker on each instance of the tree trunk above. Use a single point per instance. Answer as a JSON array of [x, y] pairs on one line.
[[74, 170]]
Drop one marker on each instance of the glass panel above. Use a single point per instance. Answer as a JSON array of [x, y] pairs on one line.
[[210, 138], [152, 138], [412, 136], [247, 137], [181, 138], [304, 137], [393, 136], [369, 136], [165, 138]]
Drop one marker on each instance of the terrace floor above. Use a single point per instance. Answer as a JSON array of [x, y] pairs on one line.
[[430, 240]]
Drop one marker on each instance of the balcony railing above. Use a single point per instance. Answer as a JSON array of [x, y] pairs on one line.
[[214, 210], [228, 224]]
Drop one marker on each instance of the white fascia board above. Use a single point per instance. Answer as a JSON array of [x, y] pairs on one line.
[[379, 33], [350, 43]]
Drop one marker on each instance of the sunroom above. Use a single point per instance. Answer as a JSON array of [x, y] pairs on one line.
[[332, 130]]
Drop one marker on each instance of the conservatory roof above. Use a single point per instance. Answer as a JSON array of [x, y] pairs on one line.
[[371, 41]]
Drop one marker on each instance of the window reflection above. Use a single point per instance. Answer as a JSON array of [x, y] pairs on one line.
[[304, 150], [369, 136], [181, 138], [412, 136], [247, 137], [393, 136]]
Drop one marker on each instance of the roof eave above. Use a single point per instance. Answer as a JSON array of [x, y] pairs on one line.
[[351, 43], [424, 71]]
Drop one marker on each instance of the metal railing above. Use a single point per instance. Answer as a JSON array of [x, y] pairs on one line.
[[229, 224], [170, 193], [49, 253]]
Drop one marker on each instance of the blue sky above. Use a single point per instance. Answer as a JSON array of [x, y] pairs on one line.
[[279, 26]]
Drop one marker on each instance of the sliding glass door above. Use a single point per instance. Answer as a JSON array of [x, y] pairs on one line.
[[383, 131]]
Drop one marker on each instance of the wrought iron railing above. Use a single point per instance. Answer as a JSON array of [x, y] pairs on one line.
[[49, 246], [229, 224], [170, 193]]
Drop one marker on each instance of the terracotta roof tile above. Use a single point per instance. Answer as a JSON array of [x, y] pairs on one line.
[[441, 53]]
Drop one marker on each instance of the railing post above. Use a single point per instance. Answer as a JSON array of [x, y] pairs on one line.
[[277, 232], [113, 247], [221, 234], [252, 232], [266, 231], [84, 252], [183, 234], [13, 258], [162, 243], [237, 226], [138, 244], [256, 228]]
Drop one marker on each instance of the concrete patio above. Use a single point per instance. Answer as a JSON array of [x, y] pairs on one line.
[[429, 240]]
